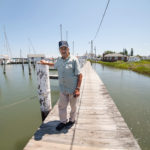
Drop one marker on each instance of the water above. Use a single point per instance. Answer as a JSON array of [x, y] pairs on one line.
[[20, 110], [19, 106], [131, 93]]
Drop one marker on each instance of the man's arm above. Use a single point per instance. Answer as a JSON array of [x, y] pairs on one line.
[[77, 90], [43, 62], [79, 81]]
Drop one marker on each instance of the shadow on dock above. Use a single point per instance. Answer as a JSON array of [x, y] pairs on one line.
[[49, 128]]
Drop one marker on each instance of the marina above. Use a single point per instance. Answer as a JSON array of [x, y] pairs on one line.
[[43, 46]]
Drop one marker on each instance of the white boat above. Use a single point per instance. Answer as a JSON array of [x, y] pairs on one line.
[[6, 58]]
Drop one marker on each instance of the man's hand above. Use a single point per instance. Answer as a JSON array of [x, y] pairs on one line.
[[43, 62], [76, 92]]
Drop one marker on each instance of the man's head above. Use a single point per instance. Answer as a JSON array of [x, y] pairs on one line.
[[64, 49]]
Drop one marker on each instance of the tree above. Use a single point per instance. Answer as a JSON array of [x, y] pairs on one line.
[[108, 52], [121, 53], [99, 56], [131, 52], [125, 52]]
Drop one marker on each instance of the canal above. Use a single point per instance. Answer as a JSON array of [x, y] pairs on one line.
[[19, 106], [131, 93], [20, 110]]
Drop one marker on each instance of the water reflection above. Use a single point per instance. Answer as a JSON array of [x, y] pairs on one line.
[[19, 106]]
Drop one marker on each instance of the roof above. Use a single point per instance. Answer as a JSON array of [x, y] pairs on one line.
[[115, 55], [35, 55], [4, 56]]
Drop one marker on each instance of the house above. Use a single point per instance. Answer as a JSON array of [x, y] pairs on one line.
[[134, 59], [145, 57], [114, 57]]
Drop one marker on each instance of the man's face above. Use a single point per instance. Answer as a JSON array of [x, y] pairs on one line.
[[64, 51]]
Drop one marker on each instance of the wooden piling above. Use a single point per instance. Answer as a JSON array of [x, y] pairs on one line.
[[44, 91], [29, 66], [4, 68], [23, 64], [34, 63]]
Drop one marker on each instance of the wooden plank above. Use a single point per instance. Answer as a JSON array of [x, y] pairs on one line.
[[99, 125]]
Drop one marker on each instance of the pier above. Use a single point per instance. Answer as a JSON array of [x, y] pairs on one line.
[[99, 124]]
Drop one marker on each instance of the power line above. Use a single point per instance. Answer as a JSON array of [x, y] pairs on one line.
[[101, 20]]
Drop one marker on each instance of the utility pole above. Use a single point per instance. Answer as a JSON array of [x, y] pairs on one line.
[[91, 48], [73, 47], [95, 52], [66, 35], [61, 32]]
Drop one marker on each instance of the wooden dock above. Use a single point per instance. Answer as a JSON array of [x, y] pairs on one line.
[[99, 125]]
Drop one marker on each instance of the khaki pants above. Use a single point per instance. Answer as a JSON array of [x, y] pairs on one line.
[[62, 106]]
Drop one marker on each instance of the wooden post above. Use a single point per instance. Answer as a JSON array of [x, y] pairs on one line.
[[44, 91], [34, 62], [23, 64], [4, 62], [29, 66]]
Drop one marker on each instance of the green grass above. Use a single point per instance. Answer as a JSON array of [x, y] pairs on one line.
[[142, 66]]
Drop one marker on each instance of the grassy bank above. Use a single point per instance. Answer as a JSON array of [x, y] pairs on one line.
[[142, 66]]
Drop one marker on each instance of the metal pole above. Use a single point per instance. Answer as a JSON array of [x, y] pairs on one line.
[[66, 35], [95, 52], [61, 32], [73, 47], [44, 91], [91, 49]]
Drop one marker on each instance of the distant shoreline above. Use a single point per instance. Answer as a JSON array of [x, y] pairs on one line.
[[142, 66]]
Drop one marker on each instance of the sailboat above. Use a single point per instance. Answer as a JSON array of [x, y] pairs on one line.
[[6, 58]]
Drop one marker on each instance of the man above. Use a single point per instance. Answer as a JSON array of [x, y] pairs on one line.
[[70, 79]]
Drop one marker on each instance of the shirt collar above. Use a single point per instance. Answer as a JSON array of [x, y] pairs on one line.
[[66, 58]]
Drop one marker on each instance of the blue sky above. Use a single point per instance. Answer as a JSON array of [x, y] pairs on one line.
[[126, 25]]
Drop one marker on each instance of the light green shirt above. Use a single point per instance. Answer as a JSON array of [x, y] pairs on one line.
[[68, 71]]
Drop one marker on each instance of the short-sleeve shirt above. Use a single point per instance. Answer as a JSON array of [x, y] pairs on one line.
[[68, 71]]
